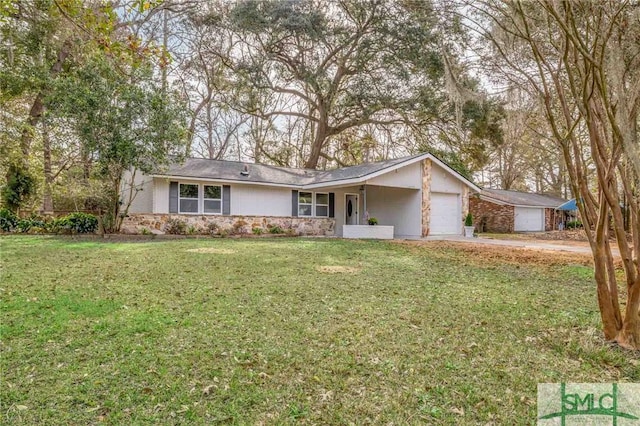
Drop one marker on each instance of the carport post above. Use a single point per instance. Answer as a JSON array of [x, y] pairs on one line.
[[364, 199]]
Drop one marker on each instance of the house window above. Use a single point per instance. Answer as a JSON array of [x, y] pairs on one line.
[[305, 204], [212, 199], [188, 200], [322, 204]]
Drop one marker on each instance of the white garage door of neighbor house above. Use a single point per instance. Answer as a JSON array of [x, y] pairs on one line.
[[445, 214], [528, 219]]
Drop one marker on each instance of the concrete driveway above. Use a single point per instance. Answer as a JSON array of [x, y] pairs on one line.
[[527, 244]]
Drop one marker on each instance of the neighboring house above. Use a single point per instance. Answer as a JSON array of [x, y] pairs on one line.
[[417, 195], [497, 210]]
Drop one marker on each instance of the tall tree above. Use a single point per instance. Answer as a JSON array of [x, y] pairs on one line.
[[49, 46], [345, 64], [127, 122]]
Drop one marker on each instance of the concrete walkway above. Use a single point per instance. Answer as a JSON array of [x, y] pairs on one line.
[[533, 245]]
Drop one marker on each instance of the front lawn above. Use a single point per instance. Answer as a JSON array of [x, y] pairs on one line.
[[277, 331]]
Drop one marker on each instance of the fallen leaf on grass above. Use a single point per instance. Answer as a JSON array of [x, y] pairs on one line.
[[21, 407], [458, 411], [207, 389]]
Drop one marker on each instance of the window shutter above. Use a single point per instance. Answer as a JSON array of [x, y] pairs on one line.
[[226, 199], [332, 204], [294, 203], [173, 197]]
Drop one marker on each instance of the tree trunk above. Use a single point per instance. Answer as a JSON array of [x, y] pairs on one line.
[[47, 199], [629, 336], [322, 132], [37, 108]]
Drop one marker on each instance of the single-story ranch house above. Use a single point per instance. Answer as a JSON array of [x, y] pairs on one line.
[[411, 197], [497, 210]]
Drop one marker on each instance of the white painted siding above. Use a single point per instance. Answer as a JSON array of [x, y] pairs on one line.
[[404, 177], [161, 195], [398, 207], [443, 181], [143, 201], [248, 200]]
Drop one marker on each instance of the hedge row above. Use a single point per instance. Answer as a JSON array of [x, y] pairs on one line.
[[74, 223]]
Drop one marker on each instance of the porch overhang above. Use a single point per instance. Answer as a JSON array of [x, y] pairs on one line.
[[364, 180]]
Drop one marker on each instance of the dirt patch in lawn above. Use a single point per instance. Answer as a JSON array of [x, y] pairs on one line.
[[337, 269], [575, 237], [484, 254], [211, 250]]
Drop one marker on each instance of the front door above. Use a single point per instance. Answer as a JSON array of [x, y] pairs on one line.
[[351, 209]]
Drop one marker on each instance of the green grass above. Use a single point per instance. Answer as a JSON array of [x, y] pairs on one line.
[[255, 333]]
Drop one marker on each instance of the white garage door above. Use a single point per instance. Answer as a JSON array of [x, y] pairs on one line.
[[445, 214], [529, 219]]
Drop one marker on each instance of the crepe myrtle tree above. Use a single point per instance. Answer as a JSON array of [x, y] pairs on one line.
[[126, 122], [581, 61]]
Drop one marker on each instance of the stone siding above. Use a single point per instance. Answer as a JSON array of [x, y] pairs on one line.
[[465, 202], [426, 195], [491, 217], [228, 225]]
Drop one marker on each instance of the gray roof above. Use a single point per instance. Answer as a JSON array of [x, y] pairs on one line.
[[518, 198], [230, 170], [361, 170], [262, 173]]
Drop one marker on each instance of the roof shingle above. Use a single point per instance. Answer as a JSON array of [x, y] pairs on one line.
[[523, 198], [266, 174]]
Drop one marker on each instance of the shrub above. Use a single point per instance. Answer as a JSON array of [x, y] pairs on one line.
[[57, 226], [372, 221], [256, 231], [19, 187], [175, 226], [275, 229], [80, 223], [74, 223], [23, 225], [8, 220], [468, 221], [33, 223], [574, 224]]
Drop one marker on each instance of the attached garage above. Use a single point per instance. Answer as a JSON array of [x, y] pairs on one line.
[[528, 219], [445, 214]]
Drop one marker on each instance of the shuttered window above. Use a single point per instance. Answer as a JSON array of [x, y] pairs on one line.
[[305, 203], [196, 198], [188, 198], [322, 204], [212, 199]]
